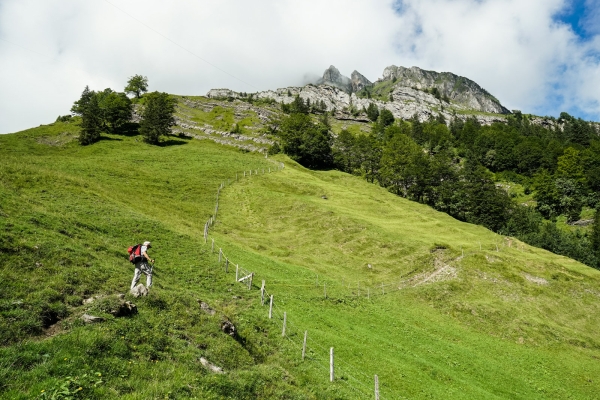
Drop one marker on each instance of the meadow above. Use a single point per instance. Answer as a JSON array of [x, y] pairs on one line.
[[463, 313]]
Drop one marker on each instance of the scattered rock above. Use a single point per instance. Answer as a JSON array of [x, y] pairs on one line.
[[324, 197], [126, 309], [582, 222], [206, 308], [39, 264], [139, 290], [535, 279], [89, 301], [212, 367], [91, 319], [228, 327]]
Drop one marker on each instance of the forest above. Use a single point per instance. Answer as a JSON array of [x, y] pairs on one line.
[[462, 168]]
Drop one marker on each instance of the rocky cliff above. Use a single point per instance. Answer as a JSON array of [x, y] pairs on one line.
[[457, 89], [406, 92]]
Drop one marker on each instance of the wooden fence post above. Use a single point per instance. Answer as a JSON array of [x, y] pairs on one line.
[[250, 281], [237, 269], [376, 387], [212, 246], [304, 345], [269, 169], [226, 265], [284, 322], [331, 376], [244, 173], [262, 293], [271, 308]]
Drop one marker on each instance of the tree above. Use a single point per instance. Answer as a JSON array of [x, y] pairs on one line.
[[306, 142], [299, 106], [373, 112], [116, 109], [157, 117], [386, 118], [403, 163], [595, 237], [137, 85], [91, 120], [343, 149]]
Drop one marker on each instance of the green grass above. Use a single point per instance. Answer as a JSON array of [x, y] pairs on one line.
[[513, 323], [512, 333]]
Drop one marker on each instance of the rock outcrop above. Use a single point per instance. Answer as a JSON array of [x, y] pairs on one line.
[[359, 82], [456, 88], [333, 77], [411, 93]]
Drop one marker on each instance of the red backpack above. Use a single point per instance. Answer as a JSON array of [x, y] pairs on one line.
[[135, 253]]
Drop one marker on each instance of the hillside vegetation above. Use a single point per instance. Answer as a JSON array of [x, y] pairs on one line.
[[463, 312]]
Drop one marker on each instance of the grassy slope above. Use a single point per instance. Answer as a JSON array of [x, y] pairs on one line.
[[488, 333], [66, 216]]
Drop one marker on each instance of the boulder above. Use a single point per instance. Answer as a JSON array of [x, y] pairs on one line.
[[206, 308], [212, 367], [91, 319], [125, 309], [228, 327], [139, 290]]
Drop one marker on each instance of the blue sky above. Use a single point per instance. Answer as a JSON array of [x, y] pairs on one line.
[[538, 56], [577, 14]]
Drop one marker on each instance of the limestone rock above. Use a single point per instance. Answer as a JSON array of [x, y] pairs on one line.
[[91, 319], [359, 82], [139, 290], [212, 367], [333, 77], [206, 308], [458, 89]]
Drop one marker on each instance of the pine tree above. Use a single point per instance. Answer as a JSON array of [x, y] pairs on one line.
[[91, 121], [91, 116], [373, 112]]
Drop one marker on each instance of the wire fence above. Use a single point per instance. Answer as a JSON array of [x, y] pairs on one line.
[[355, 379]]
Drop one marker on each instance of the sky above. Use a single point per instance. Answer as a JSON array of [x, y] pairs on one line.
[[538, 56]]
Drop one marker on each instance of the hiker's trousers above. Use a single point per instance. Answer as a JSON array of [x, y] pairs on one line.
[[142, 267]]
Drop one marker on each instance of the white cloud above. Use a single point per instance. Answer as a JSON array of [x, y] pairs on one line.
[[51, 49]]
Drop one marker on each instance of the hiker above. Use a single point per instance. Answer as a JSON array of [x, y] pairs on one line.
[[142, 267]]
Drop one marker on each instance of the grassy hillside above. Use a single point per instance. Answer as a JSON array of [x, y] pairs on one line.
[[463, 315]]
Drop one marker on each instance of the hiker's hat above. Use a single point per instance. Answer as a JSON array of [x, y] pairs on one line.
[[148, 244]]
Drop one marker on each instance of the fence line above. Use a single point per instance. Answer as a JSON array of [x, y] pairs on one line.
[[289, 330]]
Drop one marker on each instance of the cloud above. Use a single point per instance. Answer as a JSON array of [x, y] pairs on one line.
[[516, 50]]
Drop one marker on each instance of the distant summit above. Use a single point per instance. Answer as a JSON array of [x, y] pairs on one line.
[[333, 77], [405, 92], [457, 89]]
